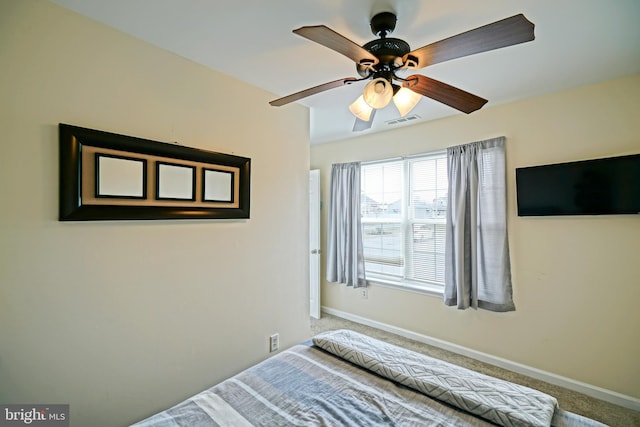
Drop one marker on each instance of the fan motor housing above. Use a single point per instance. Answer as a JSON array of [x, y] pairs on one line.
[[386, 50]]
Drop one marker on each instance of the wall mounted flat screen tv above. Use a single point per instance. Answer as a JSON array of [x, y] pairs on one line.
[[608, 186]]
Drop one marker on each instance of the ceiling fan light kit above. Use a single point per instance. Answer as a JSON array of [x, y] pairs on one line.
[[361, 109], [379, 60], [378, 93], [405, 99]]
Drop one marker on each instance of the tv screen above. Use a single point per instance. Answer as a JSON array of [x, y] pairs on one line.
[[591, 187]]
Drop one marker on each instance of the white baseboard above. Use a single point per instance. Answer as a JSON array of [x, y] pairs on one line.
[[584, 388]]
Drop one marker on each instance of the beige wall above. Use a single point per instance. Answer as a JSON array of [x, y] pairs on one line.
[[576, 279], [122, 319]]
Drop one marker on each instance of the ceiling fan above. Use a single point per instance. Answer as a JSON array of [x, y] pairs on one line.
[[382, 59]]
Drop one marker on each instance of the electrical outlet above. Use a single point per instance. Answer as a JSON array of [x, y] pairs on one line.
[[274, 342], [364, 292]]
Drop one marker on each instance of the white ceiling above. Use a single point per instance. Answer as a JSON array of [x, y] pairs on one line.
[[577, 42]]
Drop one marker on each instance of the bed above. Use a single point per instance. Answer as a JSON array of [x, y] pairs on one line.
[[344, 378]]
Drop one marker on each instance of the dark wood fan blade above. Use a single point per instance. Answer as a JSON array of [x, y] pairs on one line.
[[360, 125], [311, 91], [335, 41], [442, 92], [507, 32]]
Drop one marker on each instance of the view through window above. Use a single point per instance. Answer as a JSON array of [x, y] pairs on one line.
[[403, 207]]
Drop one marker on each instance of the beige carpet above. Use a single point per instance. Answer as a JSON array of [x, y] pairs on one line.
[[569, 400]]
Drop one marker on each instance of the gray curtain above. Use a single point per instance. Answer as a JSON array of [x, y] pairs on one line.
[[477, 266], [345, 262]]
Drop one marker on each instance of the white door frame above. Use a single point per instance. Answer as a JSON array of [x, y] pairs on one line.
[[314, 243]]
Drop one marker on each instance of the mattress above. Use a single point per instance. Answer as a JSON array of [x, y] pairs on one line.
[[343, 378]]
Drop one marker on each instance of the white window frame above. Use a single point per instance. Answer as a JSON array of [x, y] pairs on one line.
[[406, 223]]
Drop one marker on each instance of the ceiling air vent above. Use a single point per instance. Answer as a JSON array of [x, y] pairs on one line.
[[400, 120]]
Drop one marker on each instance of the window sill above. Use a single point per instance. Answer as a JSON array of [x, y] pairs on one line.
[[431, 290]]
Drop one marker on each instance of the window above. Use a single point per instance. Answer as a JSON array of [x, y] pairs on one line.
[[403, 206]]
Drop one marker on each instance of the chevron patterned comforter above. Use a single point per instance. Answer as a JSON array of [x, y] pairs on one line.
[[344, 378]]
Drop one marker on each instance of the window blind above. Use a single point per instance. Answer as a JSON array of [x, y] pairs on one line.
[[404, 206]]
